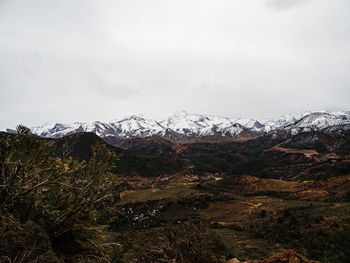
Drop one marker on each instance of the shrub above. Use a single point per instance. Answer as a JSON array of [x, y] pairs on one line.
[[63, 199], [187, 242]]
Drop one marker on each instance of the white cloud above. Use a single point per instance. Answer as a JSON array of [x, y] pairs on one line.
[[84, 60], [282, 5]]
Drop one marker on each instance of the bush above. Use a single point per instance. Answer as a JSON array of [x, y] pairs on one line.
[[187, 242], [59, 199], [25, 243]]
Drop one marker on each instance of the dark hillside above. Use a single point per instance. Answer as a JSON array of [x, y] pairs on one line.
[[79, 146]]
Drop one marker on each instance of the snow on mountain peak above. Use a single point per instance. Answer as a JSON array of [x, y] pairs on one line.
[[322, 120], [195, 125]]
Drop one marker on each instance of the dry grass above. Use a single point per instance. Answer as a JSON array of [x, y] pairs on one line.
[[228, 211], [144, 195]]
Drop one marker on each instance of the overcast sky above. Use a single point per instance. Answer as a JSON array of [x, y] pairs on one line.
[[85, 60]]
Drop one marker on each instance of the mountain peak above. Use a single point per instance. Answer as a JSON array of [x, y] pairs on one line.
[[182, 125]]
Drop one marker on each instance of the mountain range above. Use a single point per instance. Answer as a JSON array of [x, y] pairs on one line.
[[184, 127], [268, 185]]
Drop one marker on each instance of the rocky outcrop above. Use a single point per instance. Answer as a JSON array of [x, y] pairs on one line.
[[285, 256]]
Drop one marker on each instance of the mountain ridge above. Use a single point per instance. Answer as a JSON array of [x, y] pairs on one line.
[[183, 126]]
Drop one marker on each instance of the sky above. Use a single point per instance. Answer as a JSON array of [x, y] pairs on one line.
[[86, 60]]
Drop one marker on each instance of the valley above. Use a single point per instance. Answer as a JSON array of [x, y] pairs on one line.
[[260, 196], [281, 191]]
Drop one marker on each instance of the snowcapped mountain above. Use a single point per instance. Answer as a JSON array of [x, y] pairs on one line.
[[283, 121], [182, 125], [319, 121]]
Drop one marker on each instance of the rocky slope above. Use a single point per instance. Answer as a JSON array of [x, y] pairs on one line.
[[285, 256]]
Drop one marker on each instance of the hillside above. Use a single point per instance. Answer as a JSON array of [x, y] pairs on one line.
[[79, 146], [244, 199]]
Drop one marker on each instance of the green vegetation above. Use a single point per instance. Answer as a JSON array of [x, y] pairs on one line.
[[52, 209]]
